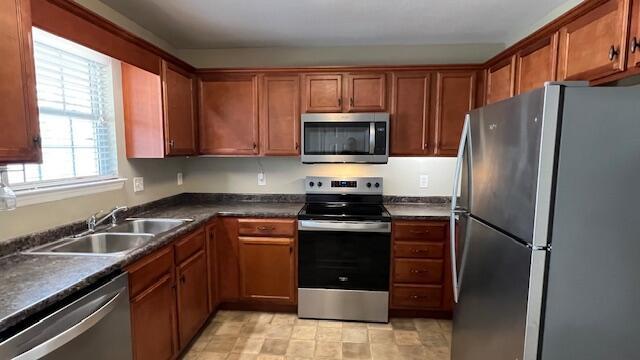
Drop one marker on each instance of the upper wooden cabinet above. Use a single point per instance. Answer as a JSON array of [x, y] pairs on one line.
[[537, 64], [322, 93], [178, 88], [365, 92], [19, 138], [634, 36], [280, 115], [159, 111], [410, 113], [500, 80], [594, 45], [352, 92], [455, 96], [229, 114]]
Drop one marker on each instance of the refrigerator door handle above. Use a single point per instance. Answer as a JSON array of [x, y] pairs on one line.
[[455, 210]]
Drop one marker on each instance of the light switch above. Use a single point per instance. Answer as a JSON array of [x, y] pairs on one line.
[[424, 181], [138, 184]]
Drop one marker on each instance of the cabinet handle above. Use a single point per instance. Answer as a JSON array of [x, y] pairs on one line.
[[613, 53], [339, 101], [419, 251], [635, 44], [255, 146], [37, 141], [417, 297], [297, 146], [351, 101], [418, 271], [266, 228], [419, 231], [172, 143]]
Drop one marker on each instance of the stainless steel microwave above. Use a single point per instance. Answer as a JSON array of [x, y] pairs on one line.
[[345, 138]]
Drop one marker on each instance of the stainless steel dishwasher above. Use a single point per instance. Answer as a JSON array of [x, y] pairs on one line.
[[96, 326]]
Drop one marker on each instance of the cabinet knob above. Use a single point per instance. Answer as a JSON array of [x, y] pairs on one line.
[[37, 140], [635, 44], [339, 101], [613, 53], [297, 146], [172, 143], [351, 101], [255, 145], [417, 297]]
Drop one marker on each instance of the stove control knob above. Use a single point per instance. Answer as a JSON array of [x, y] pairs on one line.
[[377, 185], [319, 183], [311, 183], [368, 184]]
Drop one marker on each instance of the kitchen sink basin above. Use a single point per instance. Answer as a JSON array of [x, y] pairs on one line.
[[99, 244], [147, 226]]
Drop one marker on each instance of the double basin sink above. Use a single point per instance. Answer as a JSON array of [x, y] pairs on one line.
[[114, 240]]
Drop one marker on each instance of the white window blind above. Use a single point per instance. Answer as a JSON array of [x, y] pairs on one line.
[[75, 102]]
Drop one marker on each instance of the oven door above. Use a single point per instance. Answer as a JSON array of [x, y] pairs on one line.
[[350, 255]]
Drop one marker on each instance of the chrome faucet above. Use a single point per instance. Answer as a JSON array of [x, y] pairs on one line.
[[94, 221]]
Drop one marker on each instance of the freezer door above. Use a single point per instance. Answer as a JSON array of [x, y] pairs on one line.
[[493, 315], [505, 148]]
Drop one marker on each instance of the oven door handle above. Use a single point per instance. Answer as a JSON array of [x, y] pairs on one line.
[[349, 226]]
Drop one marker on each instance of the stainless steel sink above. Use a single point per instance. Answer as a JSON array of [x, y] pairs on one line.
[[147, 226], [99, 244]]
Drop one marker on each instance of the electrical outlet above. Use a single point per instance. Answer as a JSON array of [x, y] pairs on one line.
[[424, 181], [262, 179], [138, 184], [179, 178]]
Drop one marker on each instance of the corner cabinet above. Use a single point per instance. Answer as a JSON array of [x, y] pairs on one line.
[[229, 114], [20, 136], [594, 45], [159, 111]]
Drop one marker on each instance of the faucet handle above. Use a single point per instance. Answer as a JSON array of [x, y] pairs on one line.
[[91, 221]]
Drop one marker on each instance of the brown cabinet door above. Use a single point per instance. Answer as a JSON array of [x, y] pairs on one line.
[[322, 93], [212, 266], [500, 80], [229, 115], [193, 296], [280, 115], [153, 321], [227, 258], [594, 45], [634, 36], [537, 64], [455, 96], [179, 110], [267, 269], [366, 92], [19, 137], [410, 112]]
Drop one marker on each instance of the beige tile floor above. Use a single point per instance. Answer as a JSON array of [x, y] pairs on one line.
[[266, 336]]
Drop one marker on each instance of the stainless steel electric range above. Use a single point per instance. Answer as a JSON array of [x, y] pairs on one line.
[[344, 235]]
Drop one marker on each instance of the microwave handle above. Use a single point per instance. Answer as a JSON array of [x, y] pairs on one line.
[[372, 138]]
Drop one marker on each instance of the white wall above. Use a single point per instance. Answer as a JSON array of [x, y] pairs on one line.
[[528, 29], [285, 175]]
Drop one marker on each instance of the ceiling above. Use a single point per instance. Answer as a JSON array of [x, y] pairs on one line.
[[208, 24]]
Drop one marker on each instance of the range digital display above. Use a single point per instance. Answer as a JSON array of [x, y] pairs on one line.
[[344, 184]]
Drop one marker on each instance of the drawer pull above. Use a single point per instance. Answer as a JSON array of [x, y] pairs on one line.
[[418, 297], [613, 53], [419, 231], [419, 251], [266, 228], [419, 271]]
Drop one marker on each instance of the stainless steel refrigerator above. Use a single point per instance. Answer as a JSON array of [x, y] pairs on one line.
[[547, 264]]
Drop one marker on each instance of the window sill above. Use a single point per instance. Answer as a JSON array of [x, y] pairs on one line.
[[37, 196]]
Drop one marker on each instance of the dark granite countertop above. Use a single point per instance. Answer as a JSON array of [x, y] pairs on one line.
[[30, 283], [423, 211]]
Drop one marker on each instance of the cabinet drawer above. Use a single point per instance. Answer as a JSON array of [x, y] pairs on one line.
[[267, 227], [417, 271], [189, 245], [419, 231], [418, 250], [429, 296], [148, 270]]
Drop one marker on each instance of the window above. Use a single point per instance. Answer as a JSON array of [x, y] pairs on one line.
[[77, 126]]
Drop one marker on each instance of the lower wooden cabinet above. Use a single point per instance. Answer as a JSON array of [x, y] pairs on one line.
[[421, 267], [267, 269], [193, 288], [212, 267], [153, 306]]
